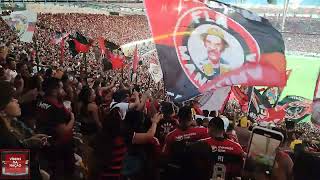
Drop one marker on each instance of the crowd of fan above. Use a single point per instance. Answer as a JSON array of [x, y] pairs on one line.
[[105, 131], [106, 126], [300, 34]]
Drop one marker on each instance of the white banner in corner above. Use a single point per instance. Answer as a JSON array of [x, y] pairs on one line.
[[23, 23]]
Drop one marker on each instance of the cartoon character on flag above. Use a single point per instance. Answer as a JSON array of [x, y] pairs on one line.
[[215, 44], [210, 45]]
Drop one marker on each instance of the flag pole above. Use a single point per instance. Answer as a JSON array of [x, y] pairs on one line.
[[149, 81], [250, 99], [85, 67], [36, 56], [279, 95], [164, 90], [137, 78], [122, 72], [288, 72], [62, 52], [285, 11]]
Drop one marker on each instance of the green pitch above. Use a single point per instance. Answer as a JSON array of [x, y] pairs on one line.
[[302, 80], [303, 76]]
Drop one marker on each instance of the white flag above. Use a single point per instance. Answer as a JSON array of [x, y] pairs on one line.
[[214, 100], [155, 72], [23, 23]]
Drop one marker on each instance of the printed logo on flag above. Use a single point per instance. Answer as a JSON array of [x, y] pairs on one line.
[[15, 164], [210, 44], [297, 109]]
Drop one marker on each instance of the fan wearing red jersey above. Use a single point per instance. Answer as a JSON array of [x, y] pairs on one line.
[[185, 131], [227, 155]]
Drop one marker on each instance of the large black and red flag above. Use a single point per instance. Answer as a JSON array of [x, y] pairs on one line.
[[79, 44], [207, 46]]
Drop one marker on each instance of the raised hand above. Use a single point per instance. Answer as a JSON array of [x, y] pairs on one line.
[[156, 118]]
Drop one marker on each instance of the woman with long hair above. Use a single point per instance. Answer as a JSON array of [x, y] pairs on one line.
[[89, 112], [12, 137]]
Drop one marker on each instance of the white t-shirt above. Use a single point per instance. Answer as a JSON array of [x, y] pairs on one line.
[[124, 107], [11, 74]]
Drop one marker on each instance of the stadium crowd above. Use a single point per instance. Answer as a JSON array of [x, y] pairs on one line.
[[300, 34], [105, 126]]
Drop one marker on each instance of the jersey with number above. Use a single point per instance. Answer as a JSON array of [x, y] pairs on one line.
[[227, 156]]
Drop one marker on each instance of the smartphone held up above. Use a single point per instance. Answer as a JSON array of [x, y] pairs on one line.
[[262, 150]]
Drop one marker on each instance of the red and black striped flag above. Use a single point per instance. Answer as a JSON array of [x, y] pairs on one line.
[[79, 44], [207, 46]]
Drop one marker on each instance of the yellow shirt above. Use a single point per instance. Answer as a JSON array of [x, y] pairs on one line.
[[294, 143], [244, 122]]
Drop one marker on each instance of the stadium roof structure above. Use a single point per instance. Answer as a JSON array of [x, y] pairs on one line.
[[136, 7], [131, 8], [120, 7]]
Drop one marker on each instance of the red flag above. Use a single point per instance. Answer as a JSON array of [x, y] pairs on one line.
[[102, 45], [240, 95], [117, 61], [135, 60], [83, 48]]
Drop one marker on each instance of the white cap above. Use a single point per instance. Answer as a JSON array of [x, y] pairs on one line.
[[226, 122]]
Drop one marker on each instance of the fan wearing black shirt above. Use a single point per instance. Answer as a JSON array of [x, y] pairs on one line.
[[56, 121], [168, 123]]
